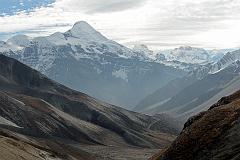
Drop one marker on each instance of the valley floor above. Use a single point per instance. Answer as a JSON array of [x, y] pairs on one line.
[[119, 153], [14, 146]]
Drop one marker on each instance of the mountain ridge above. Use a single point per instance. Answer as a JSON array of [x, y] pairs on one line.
[[101, 68]]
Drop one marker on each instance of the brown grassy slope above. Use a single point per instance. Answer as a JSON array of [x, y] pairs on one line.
[[15, 146], [213, 134]]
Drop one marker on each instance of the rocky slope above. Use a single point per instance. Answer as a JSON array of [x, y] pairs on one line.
[[164, 94], [213, 134], [35, 106], [21, 147]]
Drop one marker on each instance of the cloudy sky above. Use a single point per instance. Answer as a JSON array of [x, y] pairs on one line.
[[158, 23]]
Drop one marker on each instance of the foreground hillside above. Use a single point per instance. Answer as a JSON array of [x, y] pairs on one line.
[[15, 146], [213, 134], [39, 108]]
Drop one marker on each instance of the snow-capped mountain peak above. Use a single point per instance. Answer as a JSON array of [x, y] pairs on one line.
[[58, 35], [57, 38], [141, 48], [81, 41], [143, 51], [83, 26], [189, 54], [86, 32], [19, 40]]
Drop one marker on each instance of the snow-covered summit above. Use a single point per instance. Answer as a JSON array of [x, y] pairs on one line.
[[141, 48], [7, 47], [143, 51], [82, 30], [83, 26], [19, 40], [82, 36], [187, 54], [81, 41]]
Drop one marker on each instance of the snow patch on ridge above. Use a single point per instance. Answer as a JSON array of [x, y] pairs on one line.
[[7, 122], [121, 73]]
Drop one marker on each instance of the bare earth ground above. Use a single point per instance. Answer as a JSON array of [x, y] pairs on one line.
[[119, 153], [15, 146]]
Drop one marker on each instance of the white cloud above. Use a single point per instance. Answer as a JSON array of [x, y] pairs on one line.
[[160, 24], [97, 6]]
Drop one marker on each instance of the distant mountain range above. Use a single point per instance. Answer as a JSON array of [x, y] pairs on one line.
[[83, 59]]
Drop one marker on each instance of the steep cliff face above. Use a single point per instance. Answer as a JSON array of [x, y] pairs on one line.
[[213, 134]]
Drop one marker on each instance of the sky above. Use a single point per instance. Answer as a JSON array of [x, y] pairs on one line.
[[160, 24]]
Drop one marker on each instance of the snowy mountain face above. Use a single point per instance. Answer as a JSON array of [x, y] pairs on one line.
[[189, 55], [19, 40], [143, 52], [198, 62], [185, 58], [225, 61], [216, 55], [90, 40], [228, 59], [6, 47], [82, 41], [85, 60]]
